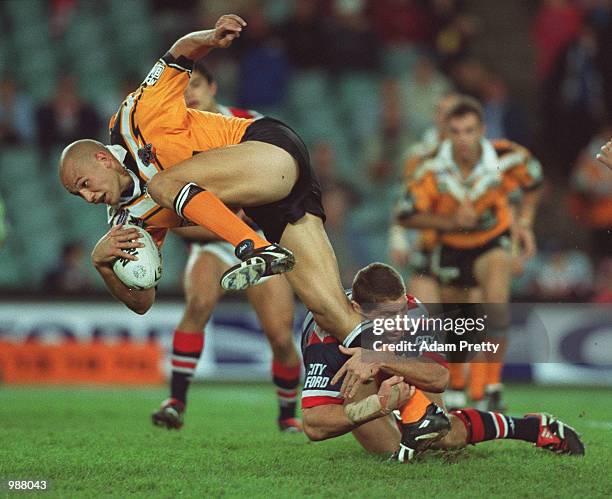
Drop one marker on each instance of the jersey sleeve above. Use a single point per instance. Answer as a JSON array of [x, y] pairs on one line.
[[526, 174], [160, 99], [419, 196]]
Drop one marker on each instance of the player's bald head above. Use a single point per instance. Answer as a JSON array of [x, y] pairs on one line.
[[77, 155]]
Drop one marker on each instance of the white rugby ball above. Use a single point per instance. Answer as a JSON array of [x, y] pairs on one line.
[[145, 272]]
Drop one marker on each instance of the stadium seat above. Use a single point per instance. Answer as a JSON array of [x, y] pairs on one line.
[[24, 13], [307, 90], [17, 163], [359, 99], [11, 275]]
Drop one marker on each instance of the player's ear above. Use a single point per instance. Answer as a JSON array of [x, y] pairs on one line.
[[104, 158], [213, 88], [356, 307]]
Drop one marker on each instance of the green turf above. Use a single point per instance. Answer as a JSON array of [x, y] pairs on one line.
[[99, 442]]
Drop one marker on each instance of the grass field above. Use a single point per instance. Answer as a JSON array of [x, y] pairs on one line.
[[99, 442]]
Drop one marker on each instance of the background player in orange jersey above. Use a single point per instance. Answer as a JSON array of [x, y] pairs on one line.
[[413, 247], [262, 166], [465, 194], [329, 410], [272, 298]]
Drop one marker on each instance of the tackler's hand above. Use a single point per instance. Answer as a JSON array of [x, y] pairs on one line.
[[355, 371]]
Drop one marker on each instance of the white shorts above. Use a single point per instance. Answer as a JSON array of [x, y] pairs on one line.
[[223, 250]]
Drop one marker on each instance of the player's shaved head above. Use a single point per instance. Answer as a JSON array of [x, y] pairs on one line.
[[79, 154]]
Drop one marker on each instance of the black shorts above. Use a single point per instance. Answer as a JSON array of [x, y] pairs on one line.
[[305, 197], [455, 267]]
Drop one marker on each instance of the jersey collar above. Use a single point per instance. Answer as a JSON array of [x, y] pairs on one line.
[[120, 153], [487, 163]]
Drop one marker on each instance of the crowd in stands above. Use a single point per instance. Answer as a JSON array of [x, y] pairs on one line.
[[360, 80]]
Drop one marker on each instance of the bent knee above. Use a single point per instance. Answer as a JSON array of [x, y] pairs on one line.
[[313, 433], [200, 307], [163, 189]]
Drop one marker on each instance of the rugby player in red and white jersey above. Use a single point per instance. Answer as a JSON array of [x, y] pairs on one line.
[[272, 299], [331, 408]]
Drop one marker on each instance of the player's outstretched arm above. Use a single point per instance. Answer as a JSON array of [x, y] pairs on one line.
[[110, 247], [199, 43], [605, 156]]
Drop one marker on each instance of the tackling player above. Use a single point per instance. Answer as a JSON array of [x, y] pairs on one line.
[[272, 299], [170, 166], [465, 193], [327, 413]]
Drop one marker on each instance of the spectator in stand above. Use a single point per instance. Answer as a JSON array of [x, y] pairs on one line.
[[592, 196], [65, 118], [575, 94], [352, 44], [555, 26], [467, 74], [420, 93], [402, 22], [70, 274], [304, 36], [503, 116], [453, 30], [16, 116], [264, 68]]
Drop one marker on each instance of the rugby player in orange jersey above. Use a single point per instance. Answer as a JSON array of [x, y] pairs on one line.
[[465, 194], [155, 174], [417, 254], [272, 298]]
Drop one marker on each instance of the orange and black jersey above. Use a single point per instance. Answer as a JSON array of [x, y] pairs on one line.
[[504, 170], [158, 131], [428, 238]]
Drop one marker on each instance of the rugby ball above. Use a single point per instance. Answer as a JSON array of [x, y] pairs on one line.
[[145, 272]]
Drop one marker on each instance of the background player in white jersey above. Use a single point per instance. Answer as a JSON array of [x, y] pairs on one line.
[[272, 299], [328, 413]]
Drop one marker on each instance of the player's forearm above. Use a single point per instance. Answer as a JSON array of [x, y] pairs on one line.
[[328, 421], [423, 373], [443, 223], [526, 212], [139, 301], [194, 45]]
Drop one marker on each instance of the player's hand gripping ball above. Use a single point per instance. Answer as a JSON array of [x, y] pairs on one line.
[[145, 272]]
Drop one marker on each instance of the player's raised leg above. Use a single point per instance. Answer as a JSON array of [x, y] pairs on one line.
[[315, 278], [273, 303], [202, 292]]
